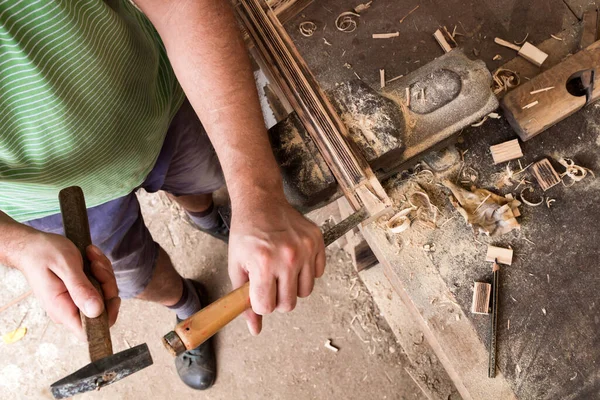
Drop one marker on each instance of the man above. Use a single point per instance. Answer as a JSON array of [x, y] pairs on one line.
[[88, 97]]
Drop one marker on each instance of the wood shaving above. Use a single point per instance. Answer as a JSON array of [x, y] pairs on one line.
[[574, 172], [357, 75], [395, 79], [532, 104], [346, 65], [549, 202], [400, 221], [544, 311], [307, 28], [485, 211], [497, 57], [326, 42], [556, 37], [450, 36], [504, 79], [522, 41], [573, 377], [410, 12], [14, 336], [362, 7], [347, 21], [331, 347], [541, 90], [529, 203], [407, 97]]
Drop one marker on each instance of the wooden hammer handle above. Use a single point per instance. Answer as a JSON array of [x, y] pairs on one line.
[[77, 230], [201, 326]]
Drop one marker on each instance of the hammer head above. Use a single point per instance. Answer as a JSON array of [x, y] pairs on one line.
[[103, 372]]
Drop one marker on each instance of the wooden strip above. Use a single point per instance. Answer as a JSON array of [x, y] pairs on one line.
[[504, 256], [545, 174], [288, 9], [439, 36], [532, 54], [382, 78], [481, 298], [386, 35], [310, 103], [505, 43], [506, 151]]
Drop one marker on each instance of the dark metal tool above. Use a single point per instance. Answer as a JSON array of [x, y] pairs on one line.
[[105, 367], [494, 319], [192, 332]]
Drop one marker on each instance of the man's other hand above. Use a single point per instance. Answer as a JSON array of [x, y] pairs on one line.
[[278, 250], [54, 269]]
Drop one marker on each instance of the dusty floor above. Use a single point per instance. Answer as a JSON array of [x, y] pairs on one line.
[[288, 360]]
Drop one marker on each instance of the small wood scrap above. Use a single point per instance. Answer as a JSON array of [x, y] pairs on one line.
[[556, 37], [504, 79], [331, 347], [485, 211], [410, 12], [532, 104], [497, 57], [347, 21], [499, 255], [527, 51], [481, 298], [307, 28], [362, 7], [492, 115], [574, 172], [407, 97], [441, 39], [449, 35], [506, 151], [388, 35], [14, 336], [382, 78], [545, 174], [541, 90], [326, 42]]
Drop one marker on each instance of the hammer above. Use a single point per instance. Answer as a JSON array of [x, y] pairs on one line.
[[105, 367], [192, 332]]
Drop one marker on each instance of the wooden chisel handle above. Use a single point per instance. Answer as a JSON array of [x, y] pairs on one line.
[[198, 328], [77, 230]]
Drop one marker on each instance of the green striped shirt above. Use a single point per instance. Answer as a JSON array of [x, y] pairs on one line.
[[86, 97]]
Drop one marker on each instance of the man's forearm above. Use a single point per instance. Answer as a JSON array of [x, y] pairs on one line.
[[13, 239], [211, 62]]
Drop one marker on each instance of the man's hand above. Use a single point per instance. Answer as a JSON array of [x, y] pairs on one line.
[[54, 269], [279, 251]]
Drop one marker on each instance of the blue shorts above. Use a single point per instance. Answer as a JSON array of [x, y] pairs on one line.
[[187, 165]]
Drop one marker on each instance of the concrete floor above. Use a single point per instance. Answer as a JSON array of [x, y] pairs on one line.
[[288, 360]]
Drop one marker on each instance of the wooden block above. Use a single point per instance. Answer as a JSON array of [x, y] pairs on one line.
[[386, 35], [545, 174], [554, 105], [504, 256], [506, 151], [439, 36], [590, 28], [532, 54], [481, 298]]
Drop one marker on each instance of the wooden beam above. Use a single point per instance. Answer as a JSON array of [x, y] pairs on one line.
[[280, 56], [553, 105]]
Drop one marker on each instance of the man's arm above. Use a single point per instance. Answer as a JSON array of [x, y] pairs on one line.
[[273, 246]]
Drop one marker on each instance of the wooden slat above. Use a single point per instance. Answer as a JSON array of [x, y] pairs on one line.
[[481, 298], [506, 151], [311, 104], [590, 28]]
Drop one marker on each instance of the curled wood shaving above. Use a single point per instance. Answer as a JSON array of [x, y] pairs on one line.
[[398, 224], [307, 28], [529, 203], [347, 21], [362, 7], [549, 202], [522, 41], [504, 79], [575, 172]]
